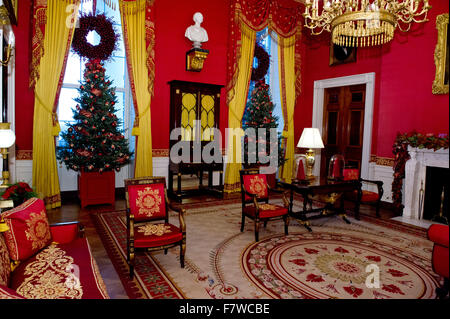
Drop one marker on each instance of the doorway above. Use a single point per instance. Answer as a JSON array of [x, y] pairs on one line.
[[343, 125], [367, 79]]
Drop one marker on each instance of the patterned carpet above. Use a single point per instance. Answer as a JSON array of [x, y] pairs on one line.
[[367, 259]]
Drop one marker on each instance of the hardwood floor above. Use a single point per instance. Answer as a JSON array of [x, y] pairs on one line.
[[71, 211]]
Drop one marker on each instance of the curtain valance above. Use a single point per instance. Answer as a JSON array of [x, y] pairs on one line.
[[281, 16]]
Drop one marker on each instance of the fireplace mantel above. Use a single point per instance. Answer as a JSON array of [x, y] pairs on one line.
[[415, 172]]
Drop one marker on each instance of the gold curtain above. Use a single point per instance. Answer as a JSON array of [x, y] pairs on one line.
[[138, 33], [237, 108], [58, 38], [286, 69]]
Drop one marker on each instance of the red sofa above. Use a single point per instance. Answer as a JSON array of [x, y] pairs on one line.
[[439, 235], [63, 269]]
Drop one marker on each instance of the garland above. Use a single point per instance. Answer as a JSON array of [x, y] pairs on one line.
[[263, 63], [108, 37], [401, 155]]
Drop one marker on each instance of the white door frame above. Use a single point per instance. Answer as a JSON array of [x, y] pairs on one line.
[[317, 120]]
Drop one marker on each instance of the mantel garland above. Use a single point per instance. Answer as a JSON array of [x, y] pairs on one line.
[[401, 156], [108, 37]]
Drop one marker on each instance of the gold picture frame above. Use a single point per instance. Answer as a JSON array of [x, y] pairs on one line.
[[441, 56], [8, 12]]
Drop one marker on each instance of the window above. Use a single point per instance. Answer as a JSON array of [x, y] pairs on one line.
[[272, 78], [116, 70]]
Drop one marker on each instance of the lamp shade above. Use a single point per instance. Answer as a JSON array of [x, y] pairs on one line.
[[7, 136], [310, 138]]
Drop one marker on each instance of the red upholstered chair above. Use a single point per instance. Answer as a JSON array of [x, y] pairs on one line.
[[439, 234], [148, 227], [255, 191], [364, 196]]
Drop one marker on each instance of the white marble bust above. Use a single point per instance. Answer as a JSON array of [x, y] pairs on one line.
[[196, 33]]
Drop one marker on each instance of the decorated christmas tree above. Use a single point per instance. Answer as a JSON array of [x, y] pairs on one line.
[[95, 142], [258, 114]]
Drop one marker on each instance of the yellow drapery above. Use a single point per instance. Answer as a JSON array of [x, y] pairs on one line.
[[134, 27], [237, 108], [286, 69], [59, 29]]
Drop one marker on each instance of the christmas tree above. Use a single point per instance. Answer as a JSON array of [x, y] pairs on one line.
[[95, 142], [258, 114]]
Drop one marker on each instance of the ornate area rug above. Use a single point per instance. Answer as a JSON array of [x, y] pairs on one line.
[[363, 259]]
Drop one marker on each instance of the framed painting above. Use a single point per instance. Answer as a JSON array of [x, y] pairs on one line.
[[340, 54], [441, 56], [8, 11]]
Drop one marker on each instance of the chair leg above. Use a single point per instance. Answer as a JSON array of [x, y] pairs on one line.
[[165, 251], [242, 222], [256, 229], [182, 252], [265, 223], [286, 224], [131, 266], [442, 292], [377, 208]]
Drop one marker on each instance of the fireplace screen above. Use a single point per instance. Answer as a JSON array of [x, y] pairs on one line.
[[435, 206]]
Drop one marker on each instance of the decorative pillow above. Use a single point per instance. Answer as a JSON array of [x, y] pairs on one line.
[[5, 269], [147, 201], [29, 230]]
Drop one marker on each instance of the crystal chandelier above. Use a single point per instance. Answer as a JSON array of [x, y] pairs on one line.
[[354, 23]]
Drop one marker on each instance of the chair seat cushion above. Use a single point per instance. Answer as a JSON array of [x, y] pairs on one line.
[[60, 271], [154, 235], [367, 196], [266, 211]]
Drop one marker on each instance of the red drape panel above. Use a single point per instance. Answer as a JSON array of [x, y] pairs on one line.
[[281, 16]]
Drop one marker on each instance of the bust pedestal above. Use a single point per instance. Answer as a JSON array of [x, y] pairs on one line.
[[195, 59]]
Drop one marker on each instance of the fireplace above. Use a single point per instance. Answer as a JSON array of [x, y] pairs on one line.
[[435, 195], [417, 170]]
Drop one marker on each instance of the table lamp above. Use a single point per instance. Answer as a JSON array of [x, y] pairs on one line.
[[7, 139], [310, 139]]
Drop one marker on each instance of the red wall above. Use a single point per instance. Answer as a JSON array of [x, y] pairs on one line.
[[24, 96], [404, 73], [171, 20]]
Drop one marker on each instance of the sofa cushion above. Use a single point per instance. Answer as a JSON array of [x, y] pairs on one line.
[[7, 293], [5, 269], [29, 230], [60, 271]]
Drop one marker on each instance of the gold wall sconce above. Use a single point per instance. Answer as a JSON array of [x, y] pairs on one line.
[[8, 56], [195, 59], [441, 56]]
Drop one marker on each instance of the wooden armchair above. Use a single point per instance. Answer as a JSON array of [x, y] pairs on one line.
[[255, 190], [147, 203], [364, 196]]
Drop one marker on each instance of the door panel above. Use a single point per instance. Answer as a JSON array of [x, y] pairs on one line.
[[343, 125]]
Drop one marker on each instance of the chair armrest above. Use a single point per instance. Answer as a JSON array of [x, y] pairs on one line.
[[64, 233], [378, 183], [438, 234], [181, 212], [283, 192]]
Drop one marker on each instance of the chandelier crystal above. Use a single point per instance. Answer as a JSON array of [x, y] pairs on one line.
[[360, 23]]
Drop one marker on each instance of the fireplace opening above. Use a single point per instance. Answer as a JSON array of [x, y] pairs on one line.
[[435, 199]]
